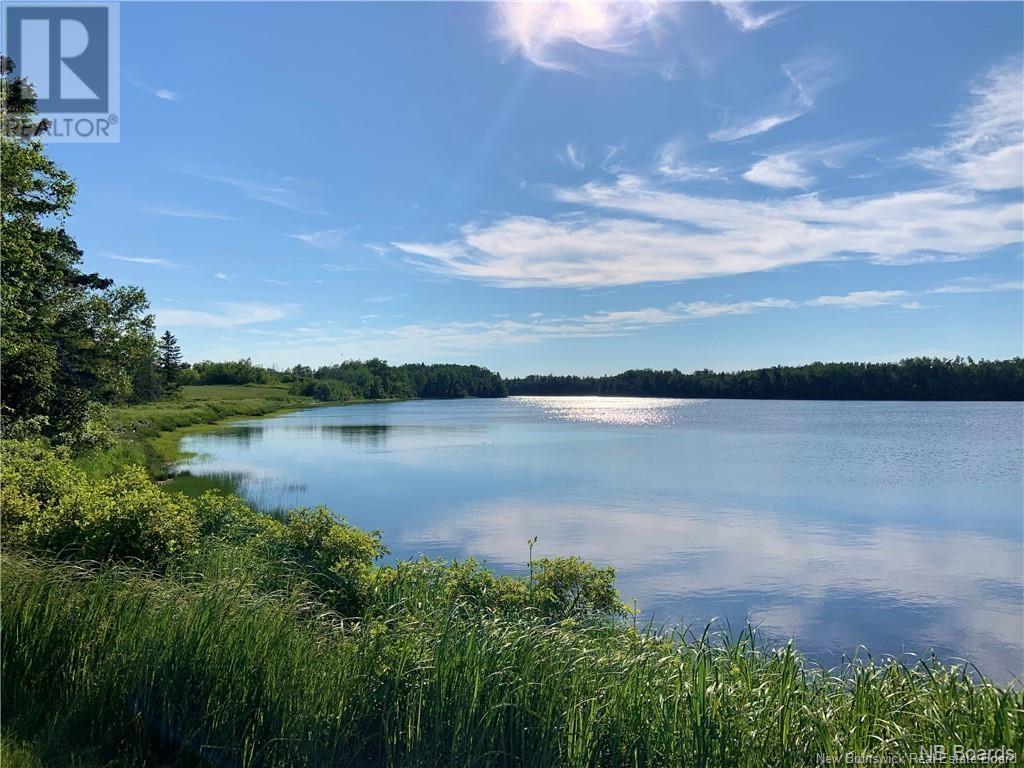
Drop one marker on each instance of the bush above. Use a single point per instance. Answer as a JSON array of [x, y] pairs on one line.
[[428, 584], [50, 505], [324, 390], [568, 587], [559, 589], [333, 556]]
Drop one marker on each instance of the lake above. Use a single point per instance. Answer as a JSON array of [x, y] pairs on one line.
[[896, 526]]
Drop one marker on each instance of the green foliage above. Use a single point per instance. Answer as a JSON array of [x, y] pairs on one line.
[[243, 371], [335, 557], [201, 667], [323, 390], [51, 506], [169, 365], [70, 337], [376, 380], [563, 588], [567, 587], [917, 378]]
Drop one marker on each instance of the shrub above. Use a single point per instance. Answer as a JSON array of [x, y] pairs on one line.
[[335, 557], [324, 390], [428, 584], [560, 588], [51, 506], [32, 477], [568, 587]]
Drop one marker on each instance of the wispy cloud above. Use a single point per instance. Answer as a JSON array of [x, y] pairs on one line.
[[191, 213], [743, 16], [792, 167], [417, 340], [227, 315], [859, 299], [807, 78], [572, 157], [632, 231], [141, 260], [164, 94], [782, 171], [979, 285], [670, 163], [324, 238], [985, 146], [563, 35], [272, 281], [285, 193]]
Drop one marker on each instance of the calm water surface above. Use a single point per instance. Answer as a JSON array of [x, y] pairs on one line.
[[897, 526]]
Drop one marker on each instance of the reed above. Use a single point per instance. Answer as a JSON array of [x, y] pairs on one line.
[[202, 665]]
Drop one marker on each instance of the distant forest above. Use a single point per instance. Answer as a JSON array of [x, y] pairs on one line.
[[918, 378], [357, 379]]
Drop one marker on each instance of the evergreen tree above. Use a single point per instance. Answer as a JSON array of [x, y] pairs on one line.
[[169, 362]]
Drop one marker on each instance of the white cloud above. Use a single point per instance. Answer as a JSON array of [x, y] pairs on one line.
[[164, 94], [222, 276], [572, 157], [141, 260], [985, 146], [558, 35], [190, 213], [701, 309], [979, 285], [634, 232], [742, 15], [807, 78], [272, 281], [859, 299], [465, 338], [669, 163], [324, 238], [230, 314], [285, 193], [782, 171]]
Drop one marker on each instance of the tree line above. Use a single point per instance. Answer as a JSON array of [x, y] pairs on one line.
[[372, 379], [916, 378]]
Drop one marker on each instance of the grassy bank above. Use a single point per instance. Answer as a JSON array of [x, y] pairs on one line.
[[117, 662], [145, 628], [153, 430]]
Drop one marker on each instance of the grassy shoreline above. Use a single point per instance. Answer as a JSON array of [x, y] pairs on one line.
[[151, 434], [236, 639]]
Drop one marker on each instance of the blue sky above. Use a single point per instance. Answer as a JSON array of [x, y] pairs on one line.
[[571, 188]]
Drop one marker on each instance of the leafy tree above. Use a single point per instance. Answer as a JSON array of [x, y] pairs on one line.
[[233, 372], [70, 337]]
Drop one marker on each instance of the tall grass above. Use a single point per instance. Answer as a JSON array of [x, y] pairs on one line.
[[202, 665]]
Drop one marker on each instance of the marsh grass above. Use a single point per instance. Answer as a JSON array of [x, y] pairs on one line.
[[204, 664]]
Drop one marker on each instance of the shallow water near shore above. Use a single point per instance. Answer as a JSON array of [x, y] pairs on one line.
[[893, 526]]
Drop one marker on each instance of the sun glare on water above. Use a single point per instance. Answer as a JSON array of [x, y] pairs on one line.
[[626, 411]]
